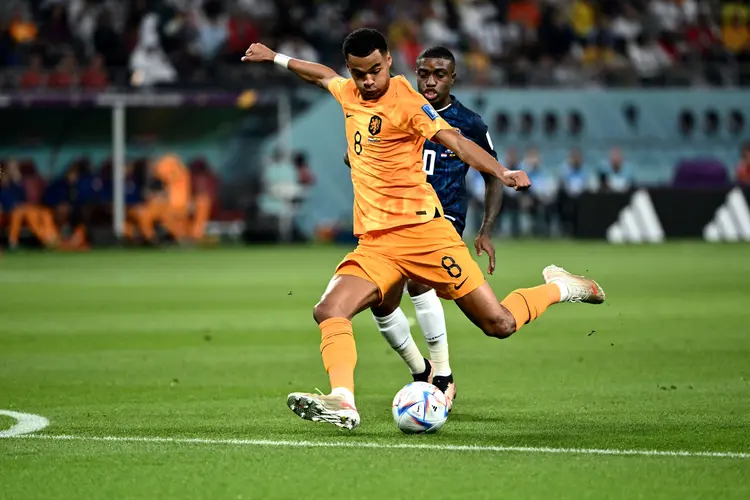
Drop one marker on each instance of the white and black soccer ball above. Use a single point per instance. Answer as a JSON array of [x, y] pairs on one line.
[[420, 408]]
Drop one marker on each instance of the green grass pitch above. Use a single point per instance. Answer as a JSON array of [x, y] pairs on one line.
[[206, 345]]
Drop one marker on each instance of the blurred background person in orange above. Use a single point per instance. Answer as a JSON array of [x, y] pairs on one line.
[[19, 211], [167, 201]]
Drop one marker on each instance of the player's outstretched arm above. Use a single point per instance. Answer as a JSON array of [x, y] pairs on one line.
[[310, 72], [478, 158], [492, 201]]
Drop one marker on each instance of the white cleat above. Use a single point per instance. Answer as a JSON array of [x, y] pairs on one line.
[[328, 408], [580, 288]]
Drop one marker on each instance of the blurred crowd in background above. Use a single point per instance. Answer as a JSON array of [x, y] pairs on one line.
[[100, 43]]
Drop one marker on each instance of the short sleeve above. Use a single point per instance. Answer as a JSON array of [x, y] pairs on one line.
[[417, 116], [481, 136], [336, 87]]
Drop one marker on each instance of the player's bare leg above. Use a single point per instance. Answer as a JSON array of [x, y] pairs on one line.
[[502, 319], [394, 327], [345, 296], [431, 318]]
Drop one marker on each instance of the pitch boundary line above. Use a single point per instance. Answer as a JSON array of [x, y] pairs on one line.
[[25, 423], [393, 446]]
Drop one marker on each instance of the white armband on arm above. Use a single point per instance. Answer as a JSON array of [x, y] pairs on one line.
[[282, 60]]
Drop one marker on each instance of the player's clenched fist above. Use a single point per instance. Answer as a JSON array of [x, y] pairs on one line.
[[258, 53], [517, 179]]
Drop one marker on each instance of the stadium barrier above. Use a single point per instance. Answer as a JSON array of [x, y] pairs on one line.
[[661, 214]]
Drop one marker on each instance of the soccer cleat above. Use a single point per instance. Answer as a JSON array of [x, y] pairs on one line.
[[580, 288], [328, 408], [448, 386], [426, 375]]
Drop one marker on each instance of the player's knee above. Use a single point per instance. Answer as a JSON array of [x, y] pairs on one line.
[[325, 309], [500, 326]]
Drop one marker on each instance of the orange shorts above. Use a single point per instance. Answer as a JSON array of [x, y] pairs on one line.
[[431, 253]]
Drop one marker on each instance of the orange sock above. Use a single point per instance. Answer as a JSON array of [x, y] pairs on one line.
[[339, 352], [527, 304]]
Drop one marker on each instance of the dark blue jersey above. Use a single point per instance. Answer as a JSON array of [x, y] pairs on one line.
[[446, 171]]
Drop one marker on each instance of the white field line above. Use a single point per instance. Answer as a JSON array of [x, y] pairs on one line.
[[394, 446], [25, 423]]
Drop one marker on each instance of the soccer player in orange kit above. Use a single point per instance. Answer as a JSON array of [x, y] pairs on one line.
[[398, 219]]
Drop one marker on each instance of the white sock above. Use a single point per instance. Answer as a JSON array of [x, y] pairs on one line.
[[346, 393], [395, 329], [564, 291], [431, 319]]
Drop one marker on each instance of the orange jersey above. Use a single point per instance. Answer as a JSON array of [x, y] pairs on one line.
[[176, 179], [385, 139]]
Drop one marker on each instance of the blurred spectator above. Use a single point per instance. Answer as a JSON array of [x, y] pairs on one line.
[[599, 55], [281, 190], [538, 202], [133, 186], [435, 30], [649, 59], [34, 76], [627, 25], [525, 13], [296, 46], [404, 44], [212, 29], [95, 76], [478, 64], [72, 198], [667, 14], [82, 16], [167, 202], [703, 36], [736, 35], [148, 62], [615, 176], [743, 167], [511, 209], [305, 175], [582, 18], [574, 181], [65, 74], [204, 187], [20, 211], [241, 33]]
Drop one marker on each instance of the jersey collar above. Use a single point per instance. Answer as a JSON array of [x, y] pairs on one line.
[[448, 106]]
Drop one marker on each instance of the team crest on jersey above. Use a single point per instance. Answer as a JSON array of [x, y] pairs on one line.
[[375, 123]]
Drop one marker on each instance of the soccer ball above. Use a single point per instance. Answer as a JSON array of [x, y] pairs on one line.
[[420, 408]]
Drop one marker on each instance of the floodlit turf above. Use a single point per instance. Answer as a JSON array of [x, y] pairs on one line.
[[6, 422], [206, 344]]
